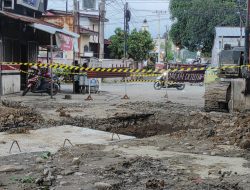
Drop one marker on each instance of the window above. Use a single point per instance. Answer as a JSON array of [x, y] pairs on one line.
[[89, 4], [86, 48], [220, 45], [8, 4]]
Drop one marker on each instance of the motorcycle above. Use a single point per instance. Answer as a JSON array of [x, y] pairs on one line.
[[34, 85], [160, 83]]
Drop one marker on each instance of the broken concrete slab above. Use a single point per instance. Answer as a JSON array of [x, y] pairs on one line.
[[11, 168], [52, 139]]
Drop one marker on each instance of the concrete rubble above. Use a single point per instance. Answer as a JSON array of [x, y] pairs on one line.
[[177, 146]]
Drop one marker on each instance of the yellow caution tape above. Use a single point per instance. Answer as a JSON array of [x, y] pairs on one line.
[[122, 70]]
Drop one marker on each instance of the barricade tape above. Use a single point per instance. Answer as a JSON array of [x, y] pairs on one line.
[[26, 72], [123, 70], [129, 81]]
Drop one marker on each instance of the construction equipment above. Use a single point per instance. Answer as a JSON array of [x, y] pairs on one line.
[[232, 91]]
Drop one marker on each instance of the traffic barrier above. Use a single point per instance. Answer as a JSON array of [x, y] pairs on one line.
[[122, 70]]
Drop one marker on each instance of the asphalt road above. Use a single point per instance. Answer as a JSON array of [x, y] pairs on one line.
[[191, 95], [113, 92]]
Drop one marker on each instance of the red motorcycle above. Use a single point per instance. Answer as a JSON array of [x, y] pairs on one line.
[[40, 84]]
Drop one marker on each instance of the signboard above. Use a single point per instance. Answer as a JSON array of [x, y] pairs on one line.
[[64, 42], [33, 4], [159, 66], [190, 76]]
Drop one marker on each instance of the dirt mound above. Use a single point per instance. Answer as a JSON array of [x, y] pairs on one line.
[[16, 118]]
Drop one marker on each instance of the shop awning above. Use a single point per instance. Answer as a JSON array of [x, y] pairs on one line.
[[53, 30], [65, 39], [40, 24]]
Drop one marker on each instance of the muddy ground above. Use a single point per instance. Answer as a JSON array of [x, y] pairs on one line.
[[178, 146]]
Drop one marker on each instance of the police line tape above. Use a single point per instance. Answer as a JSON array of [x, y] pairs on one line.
[[124, 70], [123, 80]]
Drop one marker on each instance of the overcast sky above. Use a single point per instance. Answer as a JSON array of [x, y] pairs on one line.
[[140, 9]]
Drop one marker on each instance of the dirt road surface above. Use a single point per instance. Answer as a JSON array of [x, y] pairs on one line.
[[177, 144]]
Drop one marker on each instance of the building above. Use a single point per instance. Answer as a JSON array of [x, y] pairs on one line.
[[88, 29], [226, 36], [159, 49], [145, 26], [22, 32]]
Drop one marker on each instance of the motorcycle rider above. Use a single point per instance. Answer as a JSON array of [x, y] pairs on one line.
[[43, 74]]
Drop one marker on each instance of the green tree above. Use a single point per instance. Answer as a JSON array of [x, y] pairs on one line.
[[168, 50], [140, 43], [195, 21], [117, 44]]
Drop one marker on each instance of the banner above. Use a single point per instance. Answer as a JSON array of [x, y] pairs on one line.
[[64, 42], [191, 76]]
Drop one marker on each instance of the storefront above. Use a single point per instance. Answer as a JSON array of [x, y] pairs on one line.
[[20, 38]]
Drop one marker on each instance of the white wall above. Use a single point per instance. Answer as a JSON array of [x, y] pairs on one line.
[[217, 47], [10, 84]]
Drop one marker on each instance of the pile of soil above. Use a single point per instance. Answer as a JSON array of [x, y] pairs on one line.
[[15, 118]]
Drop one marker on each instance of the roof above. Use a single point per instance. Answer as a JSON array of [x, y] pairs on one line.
[[53, 12], [84, 30], [229, 31], [27, 19], [107, 42], [40, 24], [53, 30]]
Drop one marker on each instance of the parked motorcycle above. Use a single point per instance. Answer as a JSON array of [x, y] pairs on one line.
[[160, 83], [34, 85]]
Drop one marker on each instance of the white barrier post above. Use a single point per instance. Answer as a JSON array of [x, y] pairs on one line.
[[166, 84], [89, 96], [125, 97]]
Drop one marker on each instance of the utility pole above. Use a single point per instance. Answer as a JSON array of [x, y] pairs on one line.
[[66, 7], [240, 15], [76, 30], [159, 13], [166, 44], [127, 17], [102, 13], [247, 30]]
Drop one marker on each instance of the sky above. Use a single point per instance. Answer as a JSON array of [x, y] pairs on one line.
[[140, 10]]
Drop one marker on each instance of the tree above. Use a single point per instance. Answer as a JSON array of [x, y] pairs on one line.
[[117, 44], [195, 21], [139, 45], [168, 50]]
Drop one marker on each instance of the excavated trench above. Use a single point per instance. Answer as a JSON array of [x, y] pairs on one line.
[[142, 125]]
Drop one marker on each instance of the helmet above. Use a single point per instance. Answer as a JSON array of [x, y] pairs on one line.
[[34, 68]]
